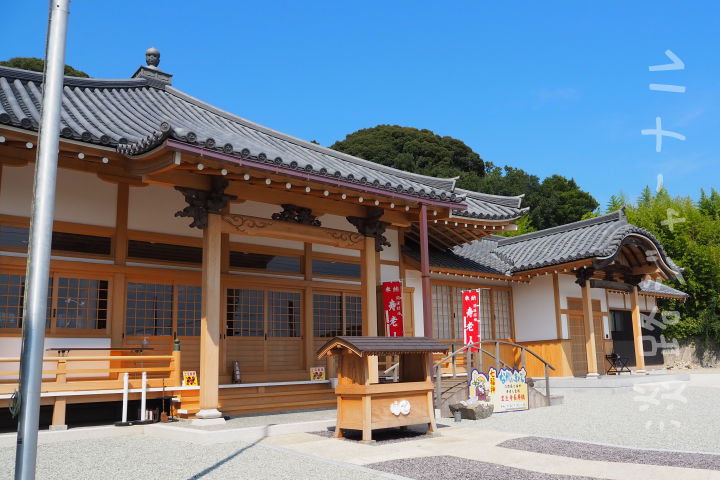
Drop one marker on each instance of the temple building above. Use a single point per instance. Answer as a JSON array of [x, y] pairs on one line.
[[176, 220]]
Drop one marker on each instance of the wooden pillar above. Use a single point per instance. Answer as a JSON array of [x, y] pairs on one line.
[[369, 288], [425, 273], [210, 320], [637, 331], [59, 408], [556, 295], [589, 330], [308, 331], [120, 245]]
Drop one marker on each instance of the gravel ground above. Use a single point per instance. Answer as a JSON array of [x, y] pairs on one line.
[[589, 451], [456, 468], [673, 416], [260, 419], [140, 457]]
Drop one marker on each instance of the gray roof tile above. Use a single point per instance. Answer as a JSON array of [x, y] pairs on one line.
[[598, 237], [137, 115]]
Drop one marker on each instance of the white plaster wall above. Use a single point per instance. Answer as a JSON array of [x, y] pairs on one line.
[[599, 294], [389, 273], [568, 288], [413, 280], [80, 197], [393, 251], [651, 302], [337, 222], [534, 308], [617, 300], [152, 209]]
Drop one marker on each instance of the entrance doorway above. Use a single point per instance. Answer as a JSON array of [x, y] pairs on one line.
[[264, 334], [623, 338]]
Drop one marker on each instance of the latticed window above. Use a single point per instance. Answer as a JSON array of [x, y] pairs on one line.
[[149, 309], [12, 292], [327, 315], [189, 310], [503, 317], [443, 311], [448, 314], [330, 319], [245, 312], [81, 303], [353, 315], [284, 314]]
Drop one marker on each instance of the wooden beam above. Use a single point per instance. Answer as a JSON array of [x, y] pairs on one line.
[[637, 331], [254, 226], [589, 331], [210, 319]]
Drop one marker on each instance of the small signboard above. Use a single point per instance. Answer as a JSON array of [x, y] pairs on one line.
[[190, 378], [392, 306], [506, 389], [317, 373]]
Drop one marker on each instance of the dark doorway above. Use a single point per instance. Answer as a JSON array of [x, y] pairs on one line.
[[623, 343], [622, 335]]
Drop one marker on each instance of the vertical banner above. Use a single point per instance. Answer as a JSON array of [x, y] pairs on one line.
[[471, 317], [392, 306]]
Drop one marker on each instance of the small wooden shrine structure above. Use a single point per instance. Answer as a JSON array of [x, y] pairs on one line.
[[363, 402]]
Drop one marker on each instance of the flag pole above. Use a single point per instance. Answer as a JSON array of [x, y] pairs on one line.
[[38, 258]]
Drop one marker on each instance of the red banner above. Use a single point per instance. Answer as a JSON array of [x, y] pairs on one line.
[[471, 324], [392, 306]]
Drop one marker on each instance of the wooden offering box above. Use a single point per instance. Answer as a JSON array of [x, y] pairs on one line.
[[363, 403]]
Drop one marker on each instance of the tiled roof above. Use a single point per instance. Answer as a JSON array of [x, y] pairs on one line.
[[652, 287], [139, 114], [363, 346], [598, 237], [490, 207]]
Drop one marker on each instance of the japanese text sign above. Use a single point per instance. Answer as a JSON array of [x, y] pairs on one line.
[[392, 306], [471, 324]]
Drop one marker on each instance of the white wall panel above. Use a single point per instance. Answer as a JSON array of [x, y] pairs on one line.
[[534, 309], [152, 209], [79, 197], [413, 280]]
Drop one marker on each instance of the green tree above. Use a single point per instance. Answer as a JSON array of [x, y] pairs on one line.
[[693, 242], [37, 65], [414, 150]]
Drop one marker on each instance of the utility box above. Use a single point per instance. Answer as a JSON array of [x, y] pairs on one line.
[[364, 402]]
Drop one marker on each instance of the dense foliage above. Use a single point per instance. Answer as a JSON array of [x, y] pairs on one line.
[[554, 201], [413, 150], [37, 65], [690, 233]]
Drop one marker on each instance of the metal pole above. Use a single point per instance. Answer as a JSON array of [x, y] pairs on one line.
[[143, 397], [125, 397], [38, 259]]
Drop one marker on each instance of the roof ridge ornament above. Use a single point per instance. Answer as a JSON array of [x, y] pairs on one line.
[[155, 77]]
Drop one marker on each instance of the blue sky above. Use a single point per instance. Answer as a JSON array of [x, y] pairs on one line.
[[550, 87]]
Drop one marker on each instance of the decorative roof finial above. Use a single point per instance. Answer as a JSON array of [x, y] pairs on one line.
[[152, 57]]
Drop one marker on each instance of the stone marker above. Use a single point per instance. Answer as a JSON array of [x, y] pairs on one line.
[[472, 410]]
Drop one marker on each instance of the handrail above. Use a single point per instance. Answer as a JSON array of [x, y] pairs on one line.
[[480, 351]]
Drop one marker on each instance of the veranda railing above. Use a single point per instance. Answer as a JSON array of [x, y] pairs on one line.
[[475, 360]]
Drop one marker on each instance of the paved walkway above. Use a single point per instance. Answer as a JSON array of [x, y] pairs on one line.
[[298, 446]]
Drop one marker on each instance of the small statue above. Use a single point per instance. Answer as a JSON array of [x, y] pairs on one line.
[[152, 57]]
